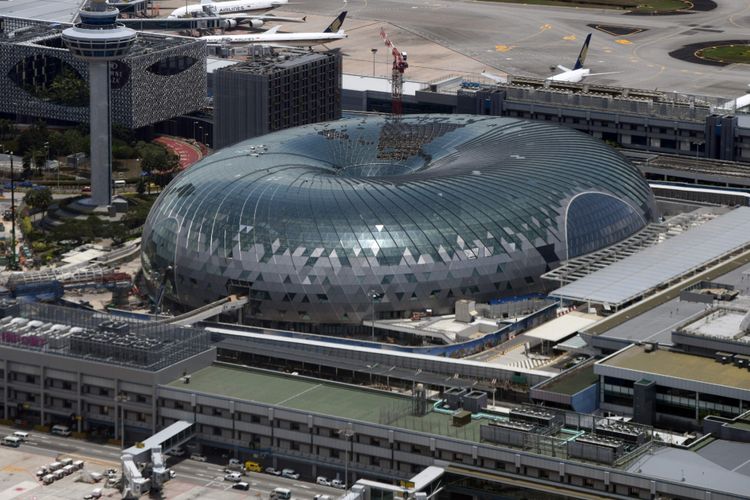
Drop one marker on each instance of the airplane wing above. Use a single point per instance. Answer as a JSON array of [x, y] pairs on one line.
[[607, 73], [272, 30], [563, 68]]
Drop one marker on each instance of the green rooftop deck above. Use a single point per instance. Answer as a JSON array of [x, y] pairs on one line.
[[326, 398], [573, 382], [680, 365]]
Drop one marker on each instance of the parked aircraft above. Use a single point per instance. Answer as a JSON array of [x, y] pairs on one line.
[[271, 37], [228, 7], [578, 72]]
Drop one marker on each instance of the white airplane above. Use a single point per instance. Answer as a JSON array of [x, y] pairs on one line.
[[228, 7], [331, 34], [578, 72]]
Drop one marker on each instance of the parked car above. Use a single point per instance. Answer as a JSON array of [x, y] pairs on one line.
[[290, 474], [242, 485], [337, 483], [234, 461], [234, 477], [198, 458], [177, 452], [271, 470], [323, 481]]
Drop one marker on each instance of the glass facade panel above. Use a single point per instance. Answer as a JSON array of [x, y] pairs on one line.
[[424, 210]]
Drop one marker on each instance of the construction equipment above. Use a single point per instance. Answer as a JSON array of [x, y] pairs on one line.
[[397, 75]]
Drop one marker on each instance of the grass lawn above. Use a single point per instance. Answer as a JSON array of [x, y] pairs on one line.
[[727, 53]]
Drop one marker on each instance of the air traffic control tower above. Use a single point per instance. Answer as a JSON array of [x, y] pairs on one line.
[[99, 39]]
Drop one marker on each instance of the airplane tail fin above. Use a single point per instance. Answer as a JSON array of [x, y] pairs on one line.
[[335, 26], [584, 52]]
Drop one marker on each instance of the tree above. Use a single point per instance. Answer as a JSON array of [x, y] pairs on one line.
[[39, 199], [141, 187]]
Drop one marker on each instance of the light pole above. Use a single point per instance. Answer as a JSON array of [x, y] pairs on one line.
[[374, 294], [374, 51], [348, 434]]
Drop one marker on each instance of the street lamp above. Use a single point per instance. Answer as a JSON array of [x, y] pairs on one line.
[[374, 294], [374, 51], [348, 434]]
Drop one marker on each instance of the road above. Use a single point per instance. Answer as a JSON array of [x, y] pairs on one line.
[[208, 477]]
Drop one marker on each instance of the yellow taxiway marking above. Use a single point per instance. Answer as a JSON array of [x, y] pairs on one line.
[[569, 37], [504, 48], [623, 41]]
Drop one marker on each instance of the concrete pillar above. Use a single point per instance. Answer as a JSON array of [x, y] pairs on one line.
[[100, 119]]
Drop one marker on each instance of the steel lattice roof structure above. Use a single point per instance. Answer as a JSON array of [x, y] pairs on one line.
[[677, 257], [310, 222]]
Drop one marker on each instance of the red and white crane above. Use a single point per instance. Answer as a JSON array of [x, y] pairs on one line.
[[397, 74]]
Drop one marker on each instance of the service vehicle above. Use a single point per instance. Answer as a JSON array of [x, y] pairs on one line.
[[253, 467], [54, 466], [290, 474], [322, 481], [235, 477], [271, 470], [281, 494], [60, 430], [11, 441], [48, 479], [22, 435], [337, 483], [242, 485]]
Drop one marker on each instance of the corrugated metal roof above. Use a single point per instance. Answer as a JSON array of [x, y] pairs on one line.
[[636, 275]]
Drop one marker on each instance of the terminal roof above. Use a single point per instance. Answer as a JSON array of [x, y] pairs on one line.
[[643, 272]]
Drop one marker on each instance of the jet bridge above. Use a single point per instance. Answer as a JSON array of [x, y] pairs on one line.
[[147, 456]]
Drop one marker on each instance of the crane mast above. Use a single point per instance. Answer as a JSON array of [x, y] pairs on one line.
[[397, 75]]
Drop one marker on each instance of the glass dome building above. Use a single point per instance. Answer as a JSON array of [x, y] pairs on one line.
[[311, 222]]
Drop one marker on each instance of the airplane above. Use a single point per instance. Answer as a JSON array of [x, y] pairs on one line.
[[331, 34], [230, 20], [578, 72], [228, 7]]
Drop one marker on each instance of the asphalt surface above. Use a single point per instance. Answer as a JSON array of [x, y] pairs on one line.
[[528, 40], [209, 477]]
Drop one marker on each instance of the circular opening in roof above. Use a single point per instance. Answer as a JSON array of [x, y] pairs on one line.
[[375, 170]]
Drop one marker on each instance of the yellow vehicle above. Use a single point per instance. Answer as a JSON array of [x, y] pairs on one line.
[[253, 467]]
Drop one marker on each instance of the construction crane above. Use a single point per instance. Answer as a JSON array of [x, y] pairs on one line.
[[397, 75]]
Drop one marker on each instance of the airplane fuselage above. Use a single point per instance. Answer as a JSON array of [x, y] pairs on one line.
[[572, 76], [290, 39], [231, 7]]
